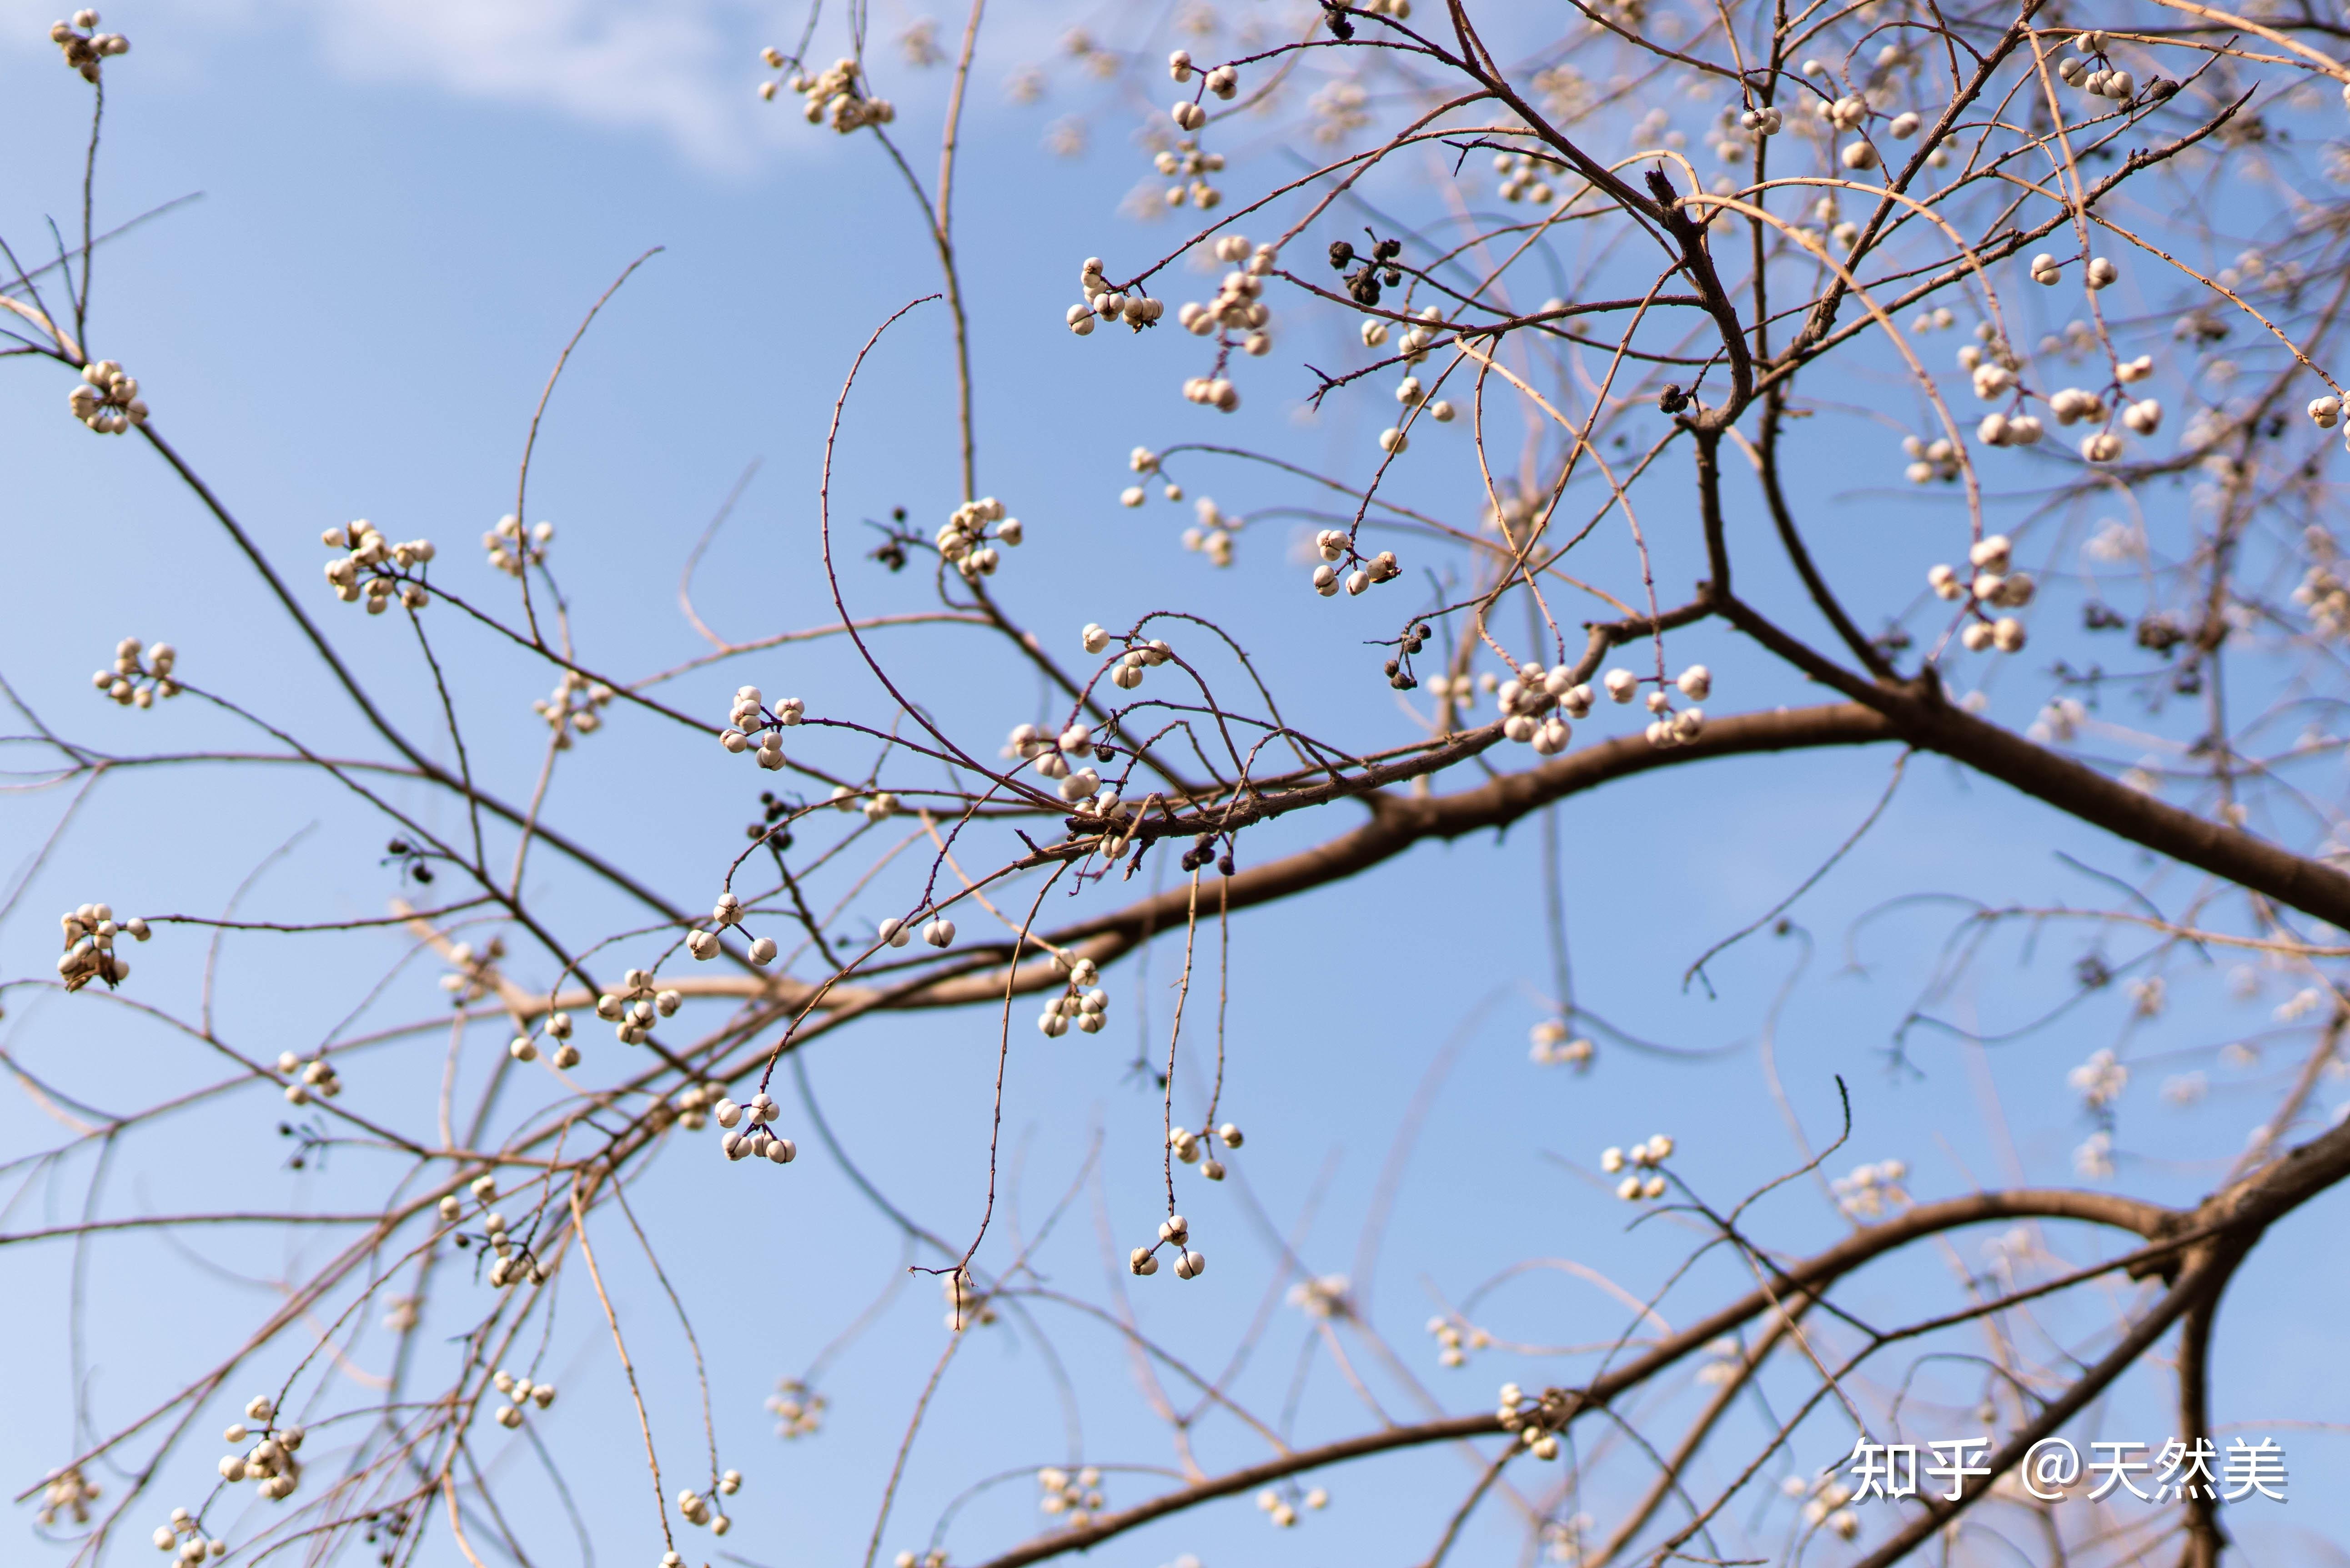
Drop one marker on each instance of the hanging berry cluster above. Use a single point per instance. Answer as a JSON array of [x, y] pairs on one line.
[[375, 567], [89, 933], [107, 400], [964, 538], [135, 683], [835, 97], [85, 49], [749, 722]]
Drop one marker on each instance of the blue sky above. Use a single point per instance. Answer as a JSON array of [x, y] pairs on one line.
[[404, 212]]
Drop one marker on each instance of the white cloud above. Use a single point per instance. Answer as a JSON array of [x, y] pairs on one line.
[[679, 67], [686, 69]]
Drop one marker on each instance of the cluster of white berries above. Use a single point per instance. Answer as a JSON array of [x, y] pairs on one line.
[[1213, 535], [2008, 429], [1412, 395], [728, 911], [1083, 1003], [1668, 727], [1236, 307], [1993, 584], [2100, 1080], [754, 1142], [1455, 1337], [964, 537], [1281, 1513], [1533, 701], [834, 98], [1535, 1420], [2083, 71], [1641, 1157], [1322, 1296], [2324, 592], [106, 399], [67, 1491], [473, 975], [1144, 461], [1824, 1507], [522, 1048], [699, 1509], [1138, 310], [194, 1548], [1552, 1048], [1127, 674], [2325, 412], [379, 559], [1872, 1189], [798, 1410], [523, 1393], [937, 930], [514, 1265], [1415, 342], [632, 1009], [1522, 177], [1848, 112], [485, 1189], [1174, 1232], [84, 49], [510, 552], [1192, 1148], [270, 1461], [1077, 1496], [137, 684], [2071, 405], [307, 1076], [1186, 163], [577, 703], [1762, 121], [1334, 546], [750, 721], [1051, 753], [1224, 81], [89, 933], [1936, 459]]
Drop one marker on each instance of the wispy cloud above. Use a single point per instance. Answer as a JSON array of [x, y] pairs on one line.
[[684, 69]]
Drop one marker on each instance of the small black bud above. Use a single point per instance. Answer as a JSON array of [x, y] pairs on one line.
[[1225, 865]]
